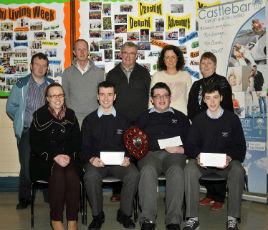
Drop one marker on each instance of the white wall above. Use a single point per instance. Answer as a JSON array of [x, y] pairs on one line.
[[9, 161]]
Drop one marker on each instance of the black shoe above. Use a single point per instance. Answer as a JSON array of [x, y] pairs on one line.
[[23, 204], [173, 227], [97, 222], [147, 226], [125, 220]]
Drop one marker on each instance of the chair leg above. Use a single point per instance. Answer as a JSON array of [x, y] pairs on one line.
[[84, 204], [32, 203]]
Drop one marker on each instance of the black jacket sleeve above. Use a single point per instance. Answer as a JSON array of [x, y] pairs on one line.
[[226, 89]]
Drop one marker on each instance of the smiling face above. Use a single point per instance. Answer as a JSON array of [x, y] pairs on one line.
[[128, 56], [213, 101], [170, 59], [106, 97], [55, 98], [161, 100], [207, 67]]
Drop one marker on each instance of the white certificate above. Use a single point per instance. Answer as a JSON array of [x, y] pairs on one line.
[[169, 142], [213, 159], [112, 158]]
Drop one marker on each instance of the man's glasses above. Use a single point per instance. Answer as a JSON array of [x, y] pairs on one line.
[[56, 96], [130, 54], [158, 97]]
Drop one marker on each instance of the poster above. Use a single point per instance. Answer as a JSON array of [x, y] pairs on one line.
[[26, 29], [236, 33]]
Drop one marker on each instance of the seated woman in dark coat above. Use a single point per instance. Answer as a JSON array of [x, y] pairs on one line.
[[55, 142]]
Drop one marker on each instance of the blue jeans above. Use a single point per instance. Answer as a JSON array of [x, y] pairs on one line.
[[262, 101]]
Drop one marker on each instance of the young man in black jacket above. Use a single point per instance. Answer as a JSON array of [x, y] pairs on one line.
[[215, 190], [159, 123], [102, 131], [215, 130]]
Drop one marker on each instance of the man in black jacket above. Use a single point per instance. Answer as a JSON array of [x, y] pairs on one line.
[[132, 83], [159, 123], [215, 130], [102, 131], [215, 190]]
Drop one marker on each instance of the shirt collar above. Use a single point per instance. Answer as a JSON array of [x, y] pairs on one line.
[[34, 82], [100, 112], [129, 70], [218, 115], [85, 69], [152, 110]]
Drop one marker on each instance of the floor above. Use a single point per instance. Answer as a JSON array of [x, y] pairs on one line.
[[254, 215]]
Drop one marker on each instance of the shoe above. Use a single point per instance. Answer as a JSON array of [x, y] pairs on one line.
[[206, 200], [173, 227], [115, 198], [147, 226], [23, 204], [125, 220], [191, 224], [97, 222], [231, 225], [217, 206]]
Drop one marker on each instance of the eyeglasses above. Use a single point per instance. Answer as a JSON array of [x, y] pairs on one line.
[[158, 97], [130, 54], [56, 96]]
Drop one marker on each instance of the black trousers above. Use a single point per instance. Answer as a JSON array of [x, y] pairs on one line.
[[64, 187], [24, 158], [216, 190]]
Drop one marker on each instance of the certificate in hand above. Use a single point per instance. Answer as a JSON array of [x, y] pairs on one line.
[[170, 142], [213, 159], [112, 158]]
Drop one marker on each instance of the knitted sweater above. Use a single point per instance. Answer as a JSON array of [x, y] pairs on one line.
[[163, 125], [81, 90], [179, 84], [222, 135], [103, 133]]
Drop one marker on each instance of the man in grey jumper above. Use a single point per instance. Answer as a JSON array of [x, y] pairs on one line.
[[80, 82]]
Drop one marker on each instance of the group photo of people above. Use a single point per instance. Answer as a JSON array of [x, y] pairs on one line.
[[143, 106], [64, 132]]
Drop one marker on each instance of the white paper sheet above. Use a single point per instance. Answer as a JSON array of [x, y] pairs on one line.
[[169, 142], [112, 158], [213, 159]]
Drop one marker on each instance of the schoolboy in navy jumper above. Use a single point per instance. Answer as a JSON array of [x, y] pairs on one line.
[[162, 122], [215, 131], [102, 130]]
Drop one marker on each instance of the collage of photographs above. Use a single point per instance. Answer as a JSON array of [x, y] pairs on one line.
[[108, 30], [19, 41], [247, 67]]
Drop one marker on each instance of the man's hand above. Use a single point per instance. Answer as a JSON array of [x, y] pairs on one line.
[[228, 160], [199, 163], [125, 162], [96, 161], [62, 160], [175, 149]]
